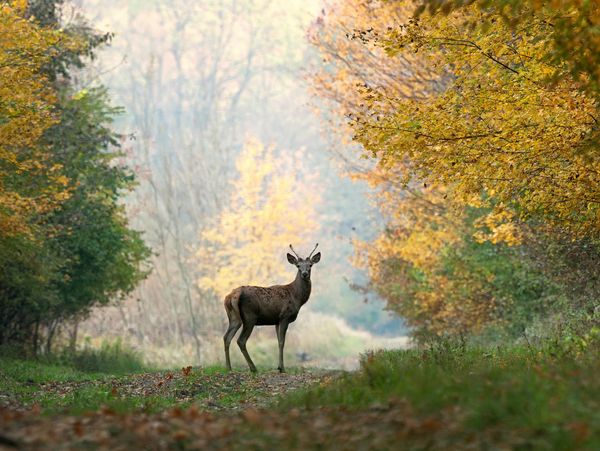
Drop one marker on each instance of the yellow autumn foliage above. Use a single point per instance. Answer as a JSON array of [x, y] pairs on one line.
[[475, 123], [496, 126], [269, 208], [574, 42], [406, 262], [26, 111]]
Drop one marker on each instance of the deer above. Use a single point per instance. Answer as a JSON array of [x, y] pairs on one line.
[[277, 305]]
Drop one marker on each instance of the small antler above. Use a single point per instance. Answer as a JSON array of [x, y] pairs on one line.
[[311, 252], [297, 256]]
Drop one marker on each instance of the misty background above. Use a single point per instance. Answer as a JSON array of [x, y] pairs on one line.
[[198, 81]]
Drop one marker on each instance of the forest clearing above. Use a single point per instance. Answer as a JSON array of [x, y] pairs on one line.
[[171, 171]]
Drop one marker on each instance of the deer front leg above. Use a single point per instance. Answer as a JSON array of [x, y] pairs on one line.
[[281, 329], [242, 339]]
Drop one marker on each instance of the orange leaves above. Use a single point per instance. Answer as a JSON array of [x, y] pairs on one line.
[[180, 435], [78, 428], [407, 268], [252, 416]]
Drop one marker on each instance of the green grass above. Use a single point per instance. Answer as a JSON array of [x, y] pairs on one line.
[[33, 371], [94, 398], [550, 395], [112, 358], [56, 387], [447, 396], [86, 380]]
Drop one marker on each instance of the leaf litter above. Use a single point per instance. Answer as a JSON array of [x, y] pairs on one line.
[[204, 407], [238, 410]]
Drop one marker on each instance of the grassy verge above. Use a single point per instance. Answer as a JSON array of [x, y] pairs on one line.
[[546, 397], [110, 357]]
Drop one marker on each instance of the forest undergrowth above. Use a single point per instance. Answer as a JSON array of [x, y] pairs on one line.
[[448, 395]]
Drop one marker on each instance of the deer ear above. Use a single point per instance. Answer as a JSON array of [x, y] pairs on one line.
[[292, 259], [316, 258]]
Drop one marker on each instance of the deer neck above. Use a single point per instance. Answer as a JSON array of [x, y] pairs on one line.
[[301, 289]]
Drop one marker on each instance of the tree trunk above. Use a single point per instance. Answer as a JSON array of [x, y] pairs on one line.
[[36, 337], [73, 336], [51, 329]]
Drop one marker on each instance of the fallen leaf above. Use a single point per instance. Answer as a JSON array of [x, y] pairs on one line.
[[180, 435], [252, 416]]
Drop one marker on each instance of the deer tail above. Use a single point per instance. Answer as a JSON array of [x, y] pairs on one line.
[[232, 305]]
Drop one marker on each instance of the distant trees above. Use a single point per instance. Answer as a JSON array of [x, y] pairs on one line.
[[65, 244], [199, 79], [269, 208], [486, 159], [186, 102]]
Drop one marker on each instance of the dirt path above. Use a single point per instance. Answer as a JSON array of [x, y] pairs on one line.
[[224, 411], [215, 391], [199, 406]]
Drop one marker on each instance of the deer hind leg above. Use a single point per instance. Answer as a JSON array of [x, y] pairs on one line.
[[241, 341], [281, 329], [234, 325]]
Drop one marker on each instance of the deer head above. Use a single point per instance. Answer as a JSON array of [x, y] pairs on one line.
[[304, 264]]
